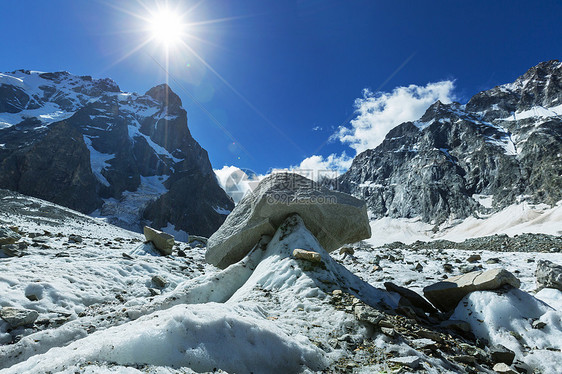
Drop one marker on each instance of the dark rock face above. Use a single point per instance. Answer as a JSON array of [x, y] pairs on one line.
[[82, 143], [504, 144]]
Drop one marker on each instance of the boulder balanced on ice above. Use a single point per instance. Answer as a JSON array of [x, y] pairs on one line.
[[333, 217]]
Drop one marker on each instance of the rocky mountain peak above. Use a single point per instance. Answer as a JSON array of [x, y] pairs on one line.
[[83, 143], [502, 147], [164, 95]]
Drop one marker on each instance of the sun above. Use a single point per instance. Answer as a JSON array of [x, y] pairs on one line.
[[166, 26]]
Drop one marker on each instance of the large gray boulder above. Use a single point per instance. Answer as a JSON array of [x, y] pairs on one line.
[[445, 295], [549, 274], [334, 218]]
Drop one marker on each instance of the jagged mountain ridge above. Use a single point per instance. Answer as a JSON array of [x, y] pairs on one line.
[[82, 143], [503, 146]]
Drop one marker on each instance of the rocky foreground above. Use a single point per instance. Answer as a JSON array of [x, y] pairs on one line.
[[80, 295]]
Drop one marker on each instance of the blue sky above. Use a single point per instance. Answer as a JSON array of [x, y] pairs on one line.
[[274, 80]]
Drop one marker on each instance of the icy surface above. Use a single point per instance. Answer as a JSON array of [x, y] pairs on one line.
[[268, 313]]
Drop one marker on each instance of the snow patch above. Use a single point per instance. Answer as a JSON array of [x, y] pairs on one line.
[[535, 112], [505, 318], [158, 149], [485, 200], [220, 210], [179, 235], [98, 161], [513, 220]]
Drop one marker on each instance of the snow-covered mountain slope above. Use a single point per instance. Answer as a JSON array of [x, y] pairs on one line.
[[103, 309], [84, 144], [503, 147]]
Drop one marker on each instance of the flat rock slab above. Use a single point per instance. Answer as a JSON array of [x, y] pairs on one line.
[[409, 361], [18, 317], [412, 296], [445, 295], [162, 242], [334, 218]]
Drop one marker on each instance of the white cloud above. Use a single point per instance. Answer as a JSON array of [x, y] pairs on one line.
[[237, 182], [378, 113], [318, 164]]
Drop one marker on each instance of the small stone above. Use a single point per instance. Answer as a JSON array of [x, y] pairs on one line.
[[469, 268], [418, 267], [465, 359], [538, 325], [73, 238], [181, 253], [8, 236], [11, 250], [376, 268], [154, 292], [448, 268], [18, 317], [127, 256], [303, 254], [345, 251], [159, 281], [337, 293], [423, 343], [456, 325], [62, 254], [388, 331], [410, 361], [501, 354], [503, 369], [473, 258], [493, 260], [366, 313]]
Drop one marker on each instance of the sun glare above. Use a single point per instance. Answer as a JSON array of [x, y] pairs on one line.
[[166, 27]]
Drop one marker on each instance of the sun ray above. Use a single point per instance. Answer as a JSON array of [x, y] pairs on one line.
[[242, 97]]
